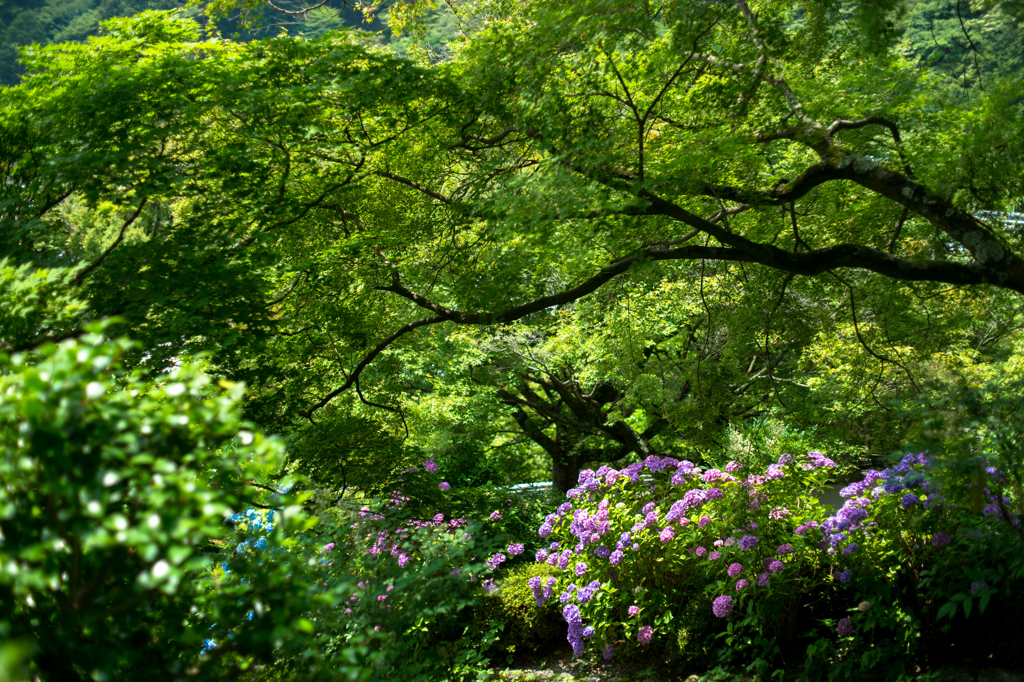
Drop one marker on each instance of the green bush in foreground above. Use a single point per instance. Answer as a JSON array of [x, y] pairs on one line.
[[115, 487]]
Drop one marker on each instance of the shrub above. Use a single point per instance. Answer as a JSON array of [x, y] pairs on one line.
[[115, 487], [514, 605], [663, 554]]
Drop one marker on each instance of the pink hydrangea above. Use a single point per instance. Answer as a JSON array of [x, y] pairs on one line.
[[444, 485], [633, 610], [722, 606], [667, 534], [645, 634], [430, 465], [734, 570]]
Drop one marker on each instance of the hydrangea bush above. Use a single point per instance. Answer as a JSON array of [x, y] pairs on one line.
[[666, 554], [632, 545], [399, 583]]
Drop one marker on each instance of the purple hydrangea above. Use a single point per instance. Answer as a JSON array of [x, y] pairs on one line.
[[909, 500], [714, 494], [704, 520], [430, 465], [714, 556], [850, 548], [748, 542], [845, 576], [516, 548], [580, 568], [700, 552], [764, 579], [444, 485], [588, 632], [733, 466], [667, 534], [991, 511], [545, 530], [541, 555], [844, 627], [609, 651], [734, 570], [648, 508], [722, 606], [784, 549], [940, 540], [774, 566], [644, 636], [742, 583], [633, 610], [615, 558]]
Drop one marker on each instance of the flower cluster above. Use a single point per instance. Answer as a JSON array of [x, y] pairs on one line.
[[615, 523]]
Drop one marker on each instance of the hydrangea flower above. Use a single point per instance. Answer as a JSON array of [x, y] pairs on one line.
[[909, 500], [616, 557], [609, 651], [844, 627], [648, 508], [734, 570], [733, 466], [704, 520], [645, 634], [722, 606], [991, 511], [541, 556], [774, 566], [714, 556], [667, 534], [580, 568], [940, 540], [845, 576], [700, 552], [742, 583], [444, 485], [714, 494], [764, 579], [748, 542], [516, 548], [784, 549], [633, 610], [588, 632], [430, 465]]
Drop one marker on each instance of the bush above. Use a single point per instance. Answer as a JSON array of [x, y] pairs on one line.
[[523, 624], [663, 557], [115, 489]]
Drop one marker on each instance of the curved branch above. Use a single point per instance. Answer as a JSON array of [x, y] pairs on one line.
[[120, 237], [367, 359]]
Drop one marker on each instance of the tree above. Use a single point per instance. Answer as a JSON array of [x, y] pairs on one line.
[[345, 211]]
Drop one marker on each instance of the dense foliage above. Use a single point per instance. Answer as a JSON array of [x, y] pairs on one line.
[[640, 252]]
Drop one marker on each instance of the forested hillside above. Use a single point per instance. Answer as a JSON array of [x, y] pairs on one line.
[[966, 42]]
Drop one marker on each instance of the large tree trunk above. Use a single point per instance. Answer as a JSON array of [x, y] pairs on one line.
[[565, 471]]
